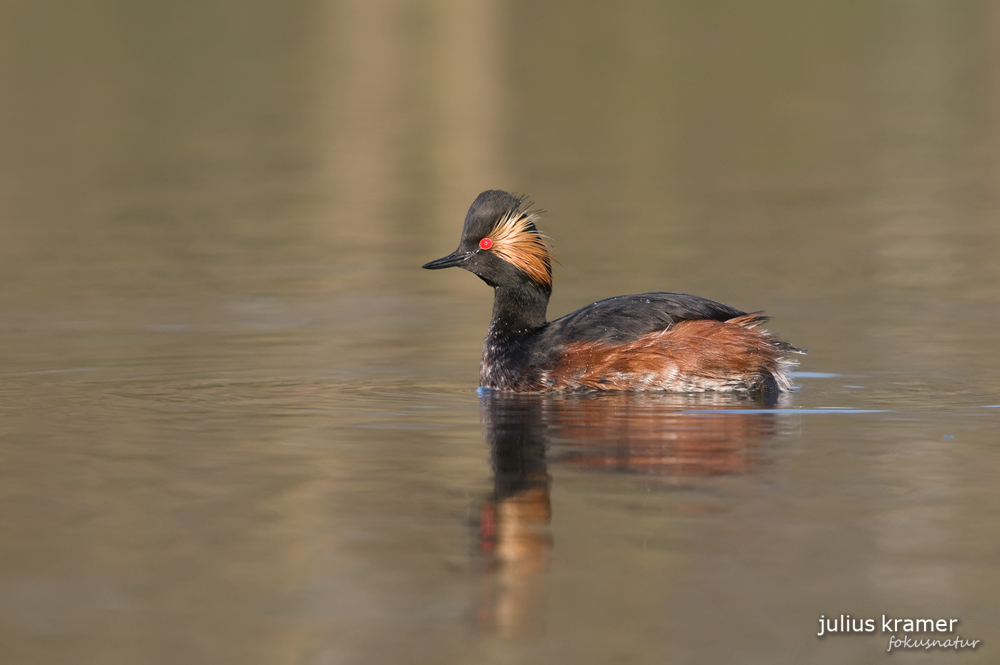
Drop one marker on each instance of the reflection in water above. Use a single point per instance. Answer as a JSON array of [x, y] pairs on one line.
[[660, 434], [514, 529], [668, 435]]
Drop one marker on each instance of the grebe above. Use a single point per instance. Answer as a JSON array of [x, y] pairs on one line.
[[650, 341]]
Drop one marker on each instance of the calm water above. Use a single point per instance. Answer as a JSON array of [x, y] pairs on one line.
[[239, 425]]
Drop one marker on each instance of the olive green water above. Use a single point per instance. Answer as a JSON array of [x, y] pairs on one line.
[[239, 425]]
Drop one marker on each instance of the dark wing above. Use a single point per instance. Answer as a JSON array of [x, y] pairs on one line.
[[627, 318]]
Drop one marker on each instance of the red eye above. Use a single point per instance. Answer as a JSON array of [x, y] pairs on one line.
[[485, 243]]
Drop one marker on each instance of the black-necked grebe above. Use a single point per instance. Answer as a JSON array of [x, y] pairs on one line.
[[650, 341]]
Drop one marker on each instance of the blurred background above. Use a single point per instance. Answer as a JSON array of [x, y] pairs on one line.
[[238, 423]]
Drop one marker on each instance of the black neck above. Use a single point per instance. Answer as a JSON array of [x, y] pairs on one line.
[[518, 309]]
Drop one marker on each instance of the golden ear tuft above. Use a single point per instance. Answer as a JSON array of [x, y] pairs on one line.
[[516, 241]]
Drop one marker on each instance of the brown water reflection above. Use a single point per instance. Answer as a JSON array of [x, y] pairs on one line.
[[673, 437]]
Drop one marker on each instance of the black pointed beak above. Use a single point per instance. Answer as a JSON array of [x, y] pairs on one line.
[[456, 258]]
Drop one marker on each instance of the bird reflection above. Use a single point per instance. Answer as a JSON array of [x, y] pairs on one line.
[[669, 436], [514, 531]]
